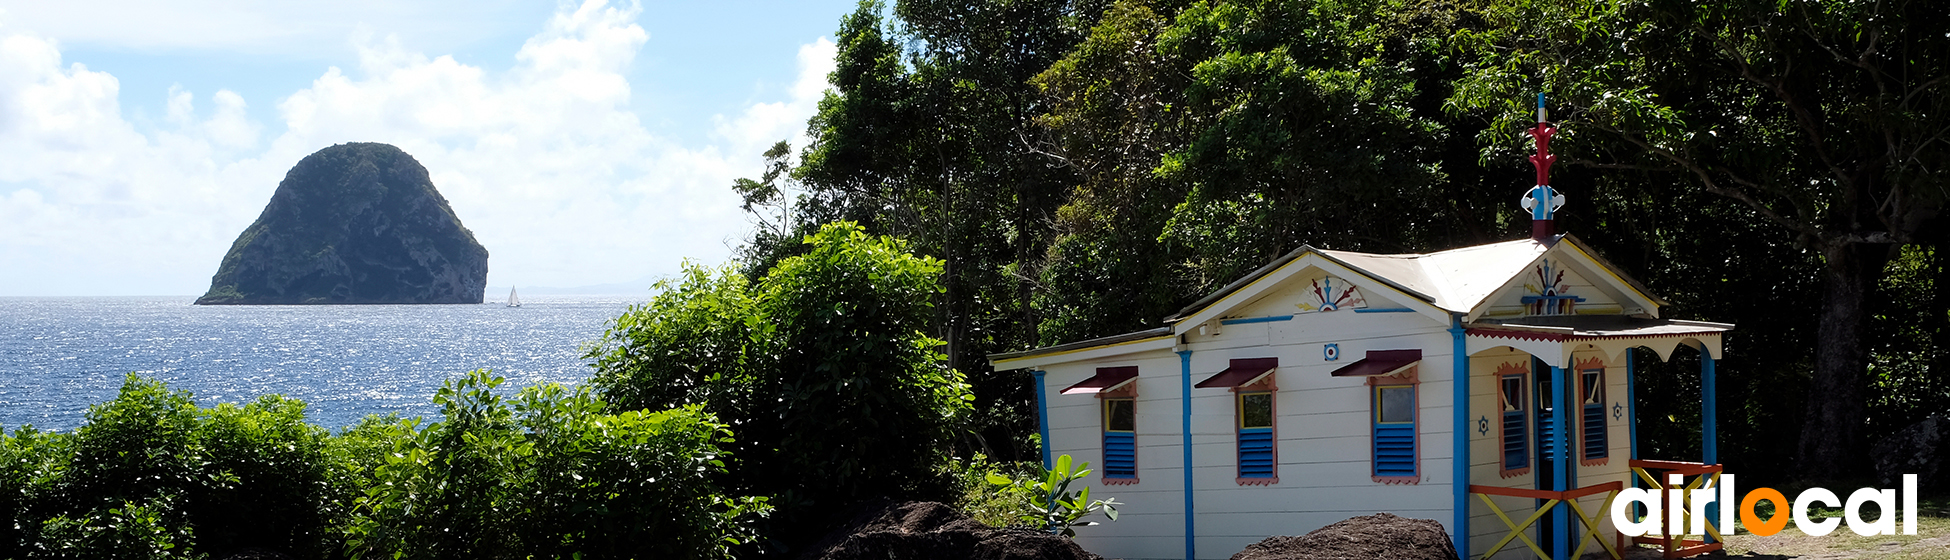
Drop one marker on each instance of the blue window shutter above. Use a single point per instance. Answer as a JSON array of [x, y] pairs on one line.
[[1546, 438], [1120, 455], [1594, 431], [1394, 449], [1256, 453], [1516, 444]]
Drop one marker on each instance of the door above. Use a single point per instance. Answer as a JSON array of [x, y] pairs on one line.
[[1547, 398]]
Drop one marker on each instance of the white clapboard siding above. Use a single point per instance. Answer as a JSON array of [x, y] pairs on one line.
[[1323, 424]]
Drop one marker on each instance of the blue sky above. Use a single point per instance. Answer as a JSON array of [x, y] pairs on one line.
[[583, 142]]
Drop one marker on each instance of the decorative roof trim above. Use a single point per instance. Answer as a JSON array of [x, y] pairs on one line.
[[1139, 336], [1279, 263]]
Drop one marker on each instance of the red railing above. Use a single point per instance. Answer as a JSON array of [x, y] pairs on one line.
[[1702, 476], [1551, 500]]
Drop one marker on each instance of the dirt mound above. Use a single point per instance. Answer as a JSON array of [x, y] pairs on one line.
[[931, 530], [1382, 536]]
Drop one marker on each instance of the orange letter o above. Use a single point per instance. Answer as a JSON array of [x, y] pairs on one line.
[[1752, 521]]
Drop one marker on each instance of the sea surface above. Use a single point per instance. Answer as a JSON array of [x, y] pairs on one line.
[[60, 355]]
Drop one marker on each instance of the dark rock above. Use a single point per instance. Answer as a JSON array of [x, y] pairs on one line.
[[1916, 449], [1382, 536], [933, 531], [353, 223]]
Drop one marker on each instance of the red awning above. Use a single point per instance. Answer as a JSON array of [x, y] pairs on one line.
[[1380, 362], [1241, 372], [1107, 378]]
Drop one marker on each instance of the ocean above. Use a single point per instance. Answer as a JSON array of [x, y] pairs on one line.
[[60, 355]]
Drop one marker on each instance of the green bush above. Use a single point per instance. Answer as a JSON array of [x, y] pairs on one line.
[[550, 477], [31, 462], [822, 367], [151, 475], [992, 504], [268, 481], [547, 474], [1053, 506]]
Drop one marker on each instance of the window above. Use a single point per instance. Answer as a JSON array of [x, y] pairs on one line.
[[1251, 383], [1116, 389], [1514, 437], [1394, 433], [1592, 391], [1256, 457], [1120, 438]]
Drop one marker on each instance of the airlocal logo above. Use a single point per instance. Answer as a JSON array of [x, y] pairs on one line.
[[1672, 506]]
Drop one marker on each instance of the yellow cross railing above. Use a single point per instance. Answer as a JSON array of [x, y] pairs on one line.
[[1551, 500], [1703, 477]]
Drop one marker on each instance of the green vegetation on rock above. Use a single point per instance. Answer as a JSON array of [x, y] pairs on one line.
[[351, 224]]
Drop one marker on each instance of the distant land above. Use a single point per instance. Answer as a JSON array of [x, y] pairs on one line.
[[638, 287], [357, 223]]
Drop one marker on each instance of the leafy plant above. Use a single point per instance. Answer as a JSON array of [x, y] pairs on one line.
[[1057, 509], [992, 504], [823, 368], [547, 474]]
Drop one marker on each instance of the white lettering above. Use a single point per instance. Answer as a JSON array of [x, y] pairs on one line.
[[1885, 501], [1729, 502], [1909, 504], [1676, 504], [1809, 497], [1701, 498], [1621, 512]]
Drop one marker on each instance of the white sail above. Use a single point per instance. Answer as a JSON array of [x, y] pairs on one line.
[[512, 300]]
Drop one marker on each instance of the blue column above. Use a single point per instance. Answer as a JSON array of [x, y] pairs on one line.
[[1561, 467], [1632, 396], [1709, 419], [1185, 398], [1709, 410], [1460, 457], [1042, 414]]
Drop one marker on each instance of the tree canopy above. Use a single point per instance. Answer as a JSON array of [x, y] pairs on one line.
[[1086, 168]]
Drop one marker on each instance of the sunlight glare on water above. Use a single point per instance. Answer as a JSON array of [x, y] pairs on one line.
[[59, 355]]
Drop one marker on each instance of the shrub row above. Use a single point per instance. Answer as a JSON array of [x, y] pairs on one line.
[[550, 473]]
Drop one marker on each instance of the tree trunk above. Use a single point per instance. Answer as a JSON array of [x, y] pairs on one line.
[[1831, 434]]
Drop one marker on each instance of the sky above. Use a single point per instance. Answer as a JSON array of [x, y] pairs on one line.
[[583, 142]]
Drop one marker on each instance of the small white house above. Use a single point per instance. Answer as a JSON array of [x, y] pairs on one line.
[[1324, 385]]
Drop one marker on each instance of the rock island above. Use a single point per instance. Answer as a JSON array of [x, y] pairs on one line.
[[357, 223]]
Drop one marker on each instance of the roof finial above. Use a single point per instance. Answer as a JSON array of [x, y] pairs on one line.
[[1542, 201]]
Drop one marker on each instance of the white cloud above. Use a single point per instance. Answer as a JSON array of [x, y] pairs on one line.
[[765, 123], [545, 161], [288, 28]]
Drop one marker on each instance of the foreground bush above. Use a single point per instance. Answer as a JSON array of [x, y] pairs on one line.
[[151, 475], [551, 476], [823, 368]]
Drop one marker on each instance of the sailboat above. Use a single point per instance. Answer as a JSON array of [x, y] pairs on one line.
[[512, 300]]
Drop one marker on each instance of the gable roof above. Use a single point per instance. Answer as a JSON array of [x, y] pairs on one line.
[[1456, 280]]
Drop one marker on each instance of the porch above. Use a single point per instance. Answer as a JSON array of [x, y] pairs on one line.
[[1553, 427]]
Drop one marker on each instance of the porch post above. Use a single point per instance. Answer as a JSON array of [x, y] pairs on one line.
[[1632, 396], [1459, 458], [1185, 399], [1709, 418], [1709, 410], [1042, 414], [1560, 467]]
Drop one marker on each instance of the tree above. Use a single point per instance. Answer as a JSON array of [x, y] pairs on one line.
[[823, 369], [927, 136], [1213, 137], [1825, 118]]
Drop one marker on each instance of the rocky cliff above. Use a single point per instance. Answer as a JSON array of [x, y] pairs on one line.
[[352, 224]]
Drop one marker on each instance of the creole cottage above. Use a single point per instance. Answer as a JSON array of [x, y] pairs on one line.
[[1487, 387]]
